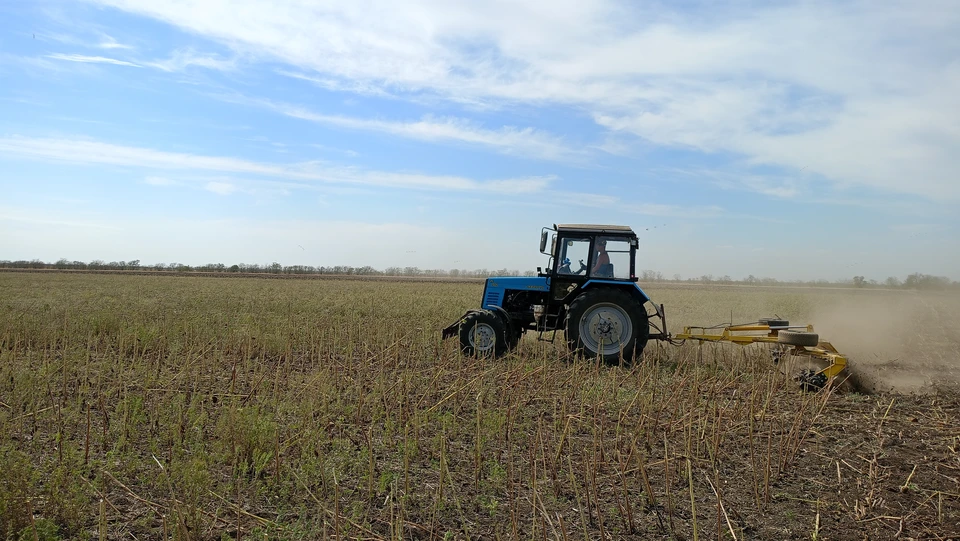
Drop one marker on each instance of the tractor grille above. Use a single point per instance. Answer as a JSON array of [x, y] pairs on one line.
[[492, 298]]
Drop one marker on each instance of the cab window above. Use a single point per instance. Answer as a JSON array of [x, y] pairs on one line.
[[572, 252], [611, 259]]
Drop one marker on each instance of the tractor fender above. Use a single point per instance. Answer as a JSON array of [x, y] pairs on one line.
[[632, 288], [507, 321], [451, 330], [503, 313]]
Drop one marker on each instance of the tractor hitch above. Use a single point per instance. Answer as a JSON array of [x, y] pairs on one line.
[[661, 327]]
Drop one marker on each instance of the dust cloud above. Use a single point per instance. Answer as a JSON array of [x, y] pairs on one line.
[[905, 342]]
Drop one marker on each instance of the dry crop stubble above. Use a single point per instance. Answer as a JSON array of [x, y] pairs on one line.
[[204, 408]]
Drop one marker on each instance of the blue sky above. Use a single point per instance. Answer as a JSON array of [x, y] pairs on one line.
[[796, 140]]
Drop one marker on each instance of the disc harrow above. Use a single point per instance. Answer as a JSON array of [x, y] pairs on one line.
[[785, 339]]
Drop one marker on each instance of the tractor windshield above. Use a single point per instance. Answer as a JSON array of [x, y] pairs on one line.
[[573, 257]]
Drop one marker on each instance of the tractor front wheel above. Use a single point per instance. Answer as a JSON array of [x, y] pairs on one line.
[[483, 334], [607, 323]]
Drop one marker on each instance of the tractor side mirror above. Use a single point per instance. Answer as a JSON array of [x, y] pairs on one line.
[[543, 241]]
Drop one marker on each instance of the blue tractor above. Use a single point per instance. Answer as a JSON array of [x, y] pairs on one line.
[[599, 306]]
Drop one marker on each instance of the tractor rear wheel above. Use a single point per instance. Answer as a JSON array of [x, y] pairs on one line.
[[483, 334], [795, 338], [607, 323]]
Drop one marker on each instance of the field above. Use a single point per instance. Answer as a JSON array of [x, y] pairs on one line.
[[156, 407]]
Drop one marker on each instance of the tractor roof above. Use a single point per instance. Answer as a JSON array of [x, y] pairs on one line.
[[596, 228]]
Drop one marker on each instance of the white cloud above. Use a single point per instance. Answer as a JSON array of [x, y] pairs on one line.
[[92, 59], [859, 92], [159, 181], [528, 142], [336, 85], [85, 151], [653, 209], [221, 188], [101, 40], [108, 42], [782, 187], [346, 151], [584, 199], [179, 60], [615, 204], [185, 58]]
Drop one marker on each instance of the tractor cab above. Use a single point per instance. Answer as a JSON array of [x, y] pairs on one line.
[[582, 253]]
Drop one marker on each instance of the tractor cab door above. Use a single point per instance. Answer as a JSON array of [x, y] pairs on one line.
[[571, 266]]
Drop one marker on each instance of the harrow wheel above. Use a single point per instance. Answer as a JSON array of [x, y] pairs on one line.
[[607, 323], [483, 334], [796, 338]]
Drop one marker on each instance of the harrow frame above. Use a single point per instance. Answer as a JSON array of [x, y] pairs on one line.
[[824, 351]]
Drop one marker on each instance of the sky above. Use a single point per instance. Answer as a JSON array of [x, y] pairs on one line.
[[795, 140]]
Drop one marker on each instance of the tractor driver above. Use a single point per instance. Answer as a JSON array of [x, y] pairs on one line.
[[603, 258]]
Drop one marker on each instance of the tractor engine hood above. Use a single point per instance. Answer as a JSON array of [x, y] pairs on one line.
[[494, 289], [531, 283]]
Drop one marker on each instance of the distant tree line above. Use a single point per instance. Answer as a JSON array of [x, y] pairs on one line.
[[916, 280], [255, 268]]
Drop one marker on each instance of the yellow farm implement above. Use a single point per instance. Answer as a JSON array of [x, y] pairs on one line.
[[787, 340]]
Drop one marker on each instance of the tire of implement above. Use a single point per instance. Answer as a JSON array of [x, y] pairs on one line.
[[796, 338]]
